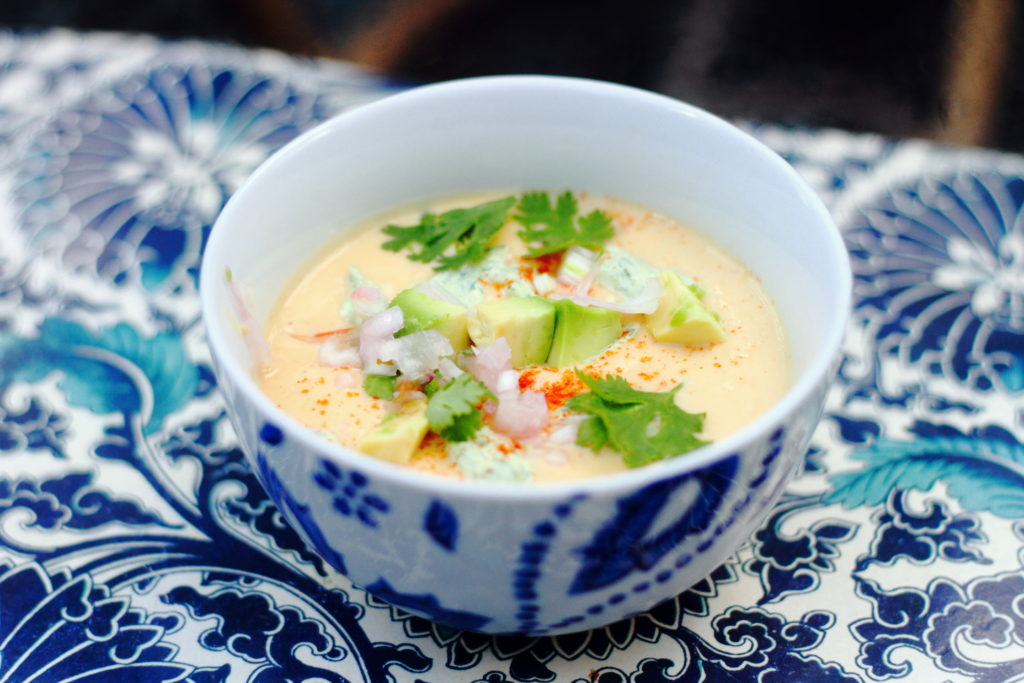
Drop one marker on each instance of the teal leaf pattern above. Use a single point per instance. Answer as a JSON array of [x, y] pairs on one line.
[[109, 370], [984, 469]]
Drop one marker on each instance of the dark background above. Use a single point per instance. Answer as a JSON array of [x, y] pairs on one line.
[[948, 70]]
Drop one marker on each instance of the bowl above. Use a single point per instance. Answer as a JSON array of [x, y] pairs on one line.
[[527, 558]]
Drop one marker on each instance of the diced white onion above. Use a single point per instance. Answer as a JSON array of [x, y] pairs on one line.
[[544, 284], [448, 369], [368, 301], [377, 330], [417, 354], [488, 362], [577, 263], [520, 414], [508, 380], [337, 351]]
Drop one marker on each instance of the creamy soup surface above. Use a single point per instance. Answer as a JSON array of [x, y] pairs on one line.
[[731, 382]]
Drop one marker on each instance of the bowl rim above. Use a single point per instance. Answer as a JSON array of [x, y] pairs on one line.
[[800, 390]]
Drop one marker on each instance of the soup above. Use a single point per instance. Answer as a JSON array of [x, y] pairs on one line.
[[526, 337]]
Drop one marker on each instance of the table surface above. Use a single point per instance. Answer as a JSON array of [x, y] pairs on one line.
[[135, 545]]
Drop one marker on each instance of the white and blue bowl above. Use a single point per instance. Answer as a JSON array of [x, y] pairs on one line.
[[533, 558]]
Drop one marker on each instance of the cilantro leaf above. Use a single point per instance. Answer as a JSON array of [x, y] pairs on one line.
[[454, 412], [561, 229], [453, 238], [592, 433], [643, 426], [380, 386]]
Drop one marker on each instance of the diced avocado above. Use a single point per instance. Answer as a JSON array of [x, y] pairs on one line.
[[581, 332], [576, 263], [681, 317], [527, 324], [422, 312], [398, 435]]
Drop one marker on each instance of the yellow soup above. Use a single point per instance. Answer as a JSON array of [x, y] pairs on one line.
[[730, 382]]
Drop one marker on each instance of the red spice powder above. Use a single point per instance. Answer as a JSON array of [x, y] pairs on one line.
[[433, 441], [548, 263], [556, 392], [527, 378]]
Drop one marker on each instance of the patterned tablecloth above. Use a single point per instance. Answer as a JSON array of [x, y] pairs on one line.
[[135, 545]]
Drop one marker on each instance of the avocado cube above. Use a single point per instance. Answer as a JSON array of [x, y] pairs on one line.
[[681, 317], [398, 436], [422, 312], [527, 324], [581, 332]]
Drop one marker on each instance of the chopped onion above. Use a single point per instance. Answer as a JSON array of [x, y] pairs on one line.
[[544, 284], [417, 354], [520, 414], [338, 351], [368, 301], [488, 362], [377, 330], [646, 302], [577, 264], [508, 380], [252, 331], [448, 369]]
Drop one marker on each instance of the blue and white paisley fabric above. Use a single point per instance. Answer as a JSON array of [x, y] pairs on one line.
[[136, 544]]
